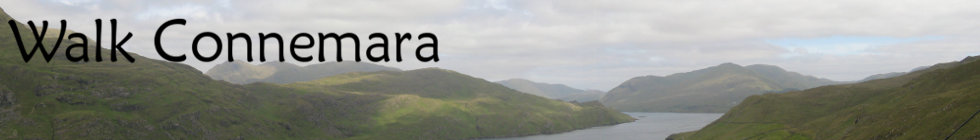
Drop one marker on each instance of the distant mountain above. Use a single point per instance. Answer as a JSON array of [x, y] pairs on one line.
[[713, 89], [882, 76], [153, 99], [890, 74], [553, 91], [240, 72], [940, 102], [445, 104], [585, 96]]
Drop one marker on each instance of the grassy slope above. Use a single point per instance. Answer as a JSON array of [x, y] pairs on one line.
[[153, 99], [927, 104]]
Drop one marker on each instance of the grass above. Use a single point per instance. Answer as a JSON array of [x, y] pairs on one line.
[[928, 104]]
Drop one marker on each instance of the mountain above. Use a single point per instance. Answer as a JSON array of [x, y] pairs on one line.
[[152, 99], [890, 74], [240, 72], [882, 76], [552, 91], [713, 89], [585, 96], [452, 105], [940, 102]]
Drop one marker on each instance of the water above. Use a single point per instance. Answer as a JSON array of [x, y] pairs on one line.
[[648, 126]]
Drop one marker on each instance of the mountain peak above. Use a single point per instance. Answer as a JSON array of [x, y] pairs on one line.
[[728, 64], [3, 15], [279, 65], [765, 68], [516, 80], [969, 58], [433, 69]]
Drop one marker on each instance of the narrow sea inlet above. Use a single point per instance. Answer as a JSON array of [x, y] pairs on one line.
[[648, 126]]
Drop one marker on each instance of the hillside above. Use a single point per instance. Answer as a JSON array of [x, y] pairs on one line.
[[240, 72], [552, 91], [152, 99], [882, 76], [926, 104], [713, 89], [462, 106]]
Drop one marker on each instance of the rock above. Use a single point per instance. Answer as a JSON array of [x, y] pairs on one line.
[[6, 97]]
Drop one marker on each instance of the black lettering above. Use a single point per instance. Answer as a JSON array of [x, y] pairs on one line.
[[248, 45], [156, 41], [383, 45], [293, 46], [434, 45], [262, 38], [38, 38], [117, 45], [338, 38], [98, 40], [217, 42], [398, 44], [83, 45]]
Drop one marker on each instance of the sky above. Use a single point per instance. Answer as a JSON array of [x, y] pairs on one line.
[[585, 44]]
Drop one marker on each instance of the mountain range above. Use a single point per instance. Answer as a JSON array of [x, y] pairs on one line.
[[153, 99], [713, 89], [552, 91], [939, 102]]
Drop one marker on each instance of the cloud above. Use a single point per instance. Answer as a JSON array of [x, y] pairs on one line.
[[583, 43], [180, 11], [842, 45]]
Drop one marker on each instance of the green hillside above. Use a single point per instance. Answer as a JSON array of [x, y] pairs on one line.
[[713, 89], [152, 99], [925, 104], [552, 91], [240, 72], [450, 104]]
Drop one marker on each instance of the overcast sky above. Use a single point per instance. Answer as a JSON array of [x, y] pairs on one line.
[[582, 43]]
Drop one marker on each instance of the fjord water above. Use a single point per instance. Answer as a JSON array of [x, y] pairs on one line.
[[648, 126]]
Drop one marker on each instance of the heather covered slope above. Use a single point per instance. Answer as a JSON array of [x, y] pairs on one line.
[[925, 104], [152, 99], [713, 89]]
